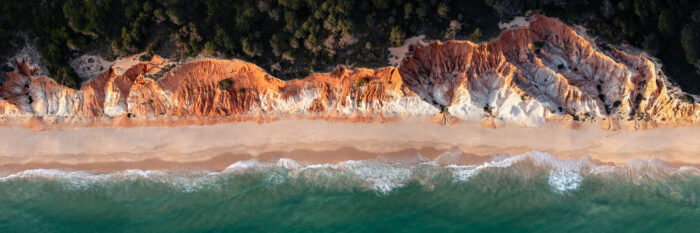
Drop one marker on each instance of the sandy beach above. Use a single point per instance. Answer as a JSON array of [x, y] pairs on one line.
[[215, 147]]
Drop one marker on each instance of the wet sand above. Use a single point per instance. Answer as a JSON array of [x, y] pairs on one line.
[[415, 139]]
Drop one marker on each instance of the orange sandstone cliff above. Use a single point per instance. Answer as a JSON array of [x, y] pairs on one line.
[[530, 75]]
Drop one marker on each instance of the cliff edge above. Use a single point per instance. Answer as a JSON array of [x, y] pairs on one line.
[[544, 72]]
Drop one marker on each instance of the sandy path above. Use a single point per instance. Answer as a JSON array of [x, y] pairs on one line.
[[332, 141]]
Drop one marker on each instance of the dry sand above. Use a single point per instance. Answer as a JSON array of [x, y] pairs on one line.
[[519, 21], [316, 141], [397, 54], [89, 66]]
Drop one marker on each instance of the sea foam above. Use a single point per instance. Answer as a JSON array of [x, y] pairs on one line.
[[563, 175]]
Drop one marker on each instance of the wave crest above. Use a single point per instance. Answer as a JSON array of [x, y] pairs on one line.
[[563, 175]]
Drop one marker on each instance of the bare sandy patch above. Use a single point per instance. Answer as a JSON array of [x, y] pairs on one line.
[[520, 21], [89, 66], [397, 54]]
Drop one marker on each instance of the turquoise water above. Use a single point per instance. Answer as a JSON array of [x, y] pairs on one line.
[[532, 193]]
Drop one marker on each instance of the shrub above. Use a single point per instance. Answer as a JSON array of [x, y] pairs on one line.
[[362, 82], [145, 57], [651, 44], [536, 46], [666, 21], [475, 36], [225, 84], [250, 48], [617, 104], [688, 99], [397, 36], [488, 110]]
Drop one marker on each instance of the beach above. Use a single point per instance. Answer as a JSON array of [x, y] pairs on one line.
[[305, 175], [413, 139]]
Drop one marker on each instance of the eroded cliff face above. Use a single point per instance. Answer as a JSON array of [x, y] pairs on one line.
[[529, 75], [213, 88], [544, 71]]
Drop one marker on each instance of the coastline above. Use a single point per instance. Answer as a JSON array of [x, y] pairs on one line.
[[203, 91], [214, 147]]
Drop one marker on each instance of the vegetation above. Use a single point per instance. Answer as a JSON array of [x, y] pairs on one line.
[[163, 70], [688, 99], [225, 84], [488, 110], [617, 104], [663, 28], [362, 82], [145, 57], [537, 46], [301, 36]]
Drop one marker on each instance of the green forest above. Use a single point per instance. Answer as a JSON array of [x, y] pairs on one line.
[[291, 38]]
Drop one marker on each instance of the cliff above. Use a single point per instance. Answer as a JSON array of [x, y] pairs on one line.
[[530, 75]]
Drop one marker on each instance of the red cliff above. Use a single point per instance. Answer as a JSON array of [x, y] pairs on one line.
[[546, 71]]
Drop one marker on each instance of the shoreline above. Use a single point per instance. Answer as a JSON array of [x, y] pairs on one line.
[[303, 157], [222, 161], [214, 147]]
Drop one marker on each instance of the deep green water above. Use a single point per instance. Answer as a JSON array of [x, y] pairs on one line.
[[356, 197]]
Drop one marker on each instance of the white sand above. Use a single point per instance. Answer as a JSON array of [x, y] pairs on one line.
[[122, 64], [397, 54], [519, 21], [186, 144], [89, 66]]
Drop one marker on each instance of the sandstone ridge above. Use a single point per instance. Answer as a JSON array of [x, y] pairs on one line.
[[544, 72]]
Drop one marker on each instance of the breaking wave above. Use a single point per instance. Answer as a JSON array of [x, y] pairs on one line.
[[382, 177]]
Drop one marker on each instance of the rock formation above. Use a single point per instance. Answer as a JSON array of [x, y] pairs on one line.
[[530, 75]]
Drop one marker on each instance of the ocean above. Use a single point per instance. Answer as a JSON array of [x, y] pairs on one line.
[[533, 192]]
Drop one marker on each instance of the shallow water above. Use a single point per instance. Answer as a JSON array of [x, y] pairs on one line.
[[534, 192]]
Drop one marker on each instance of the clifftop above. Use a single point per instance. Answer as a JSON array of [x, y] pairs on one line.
[[528, 75]]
